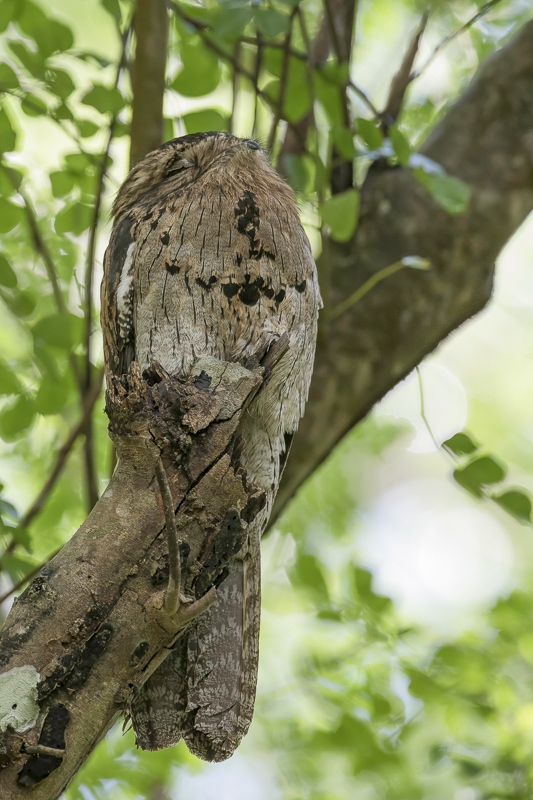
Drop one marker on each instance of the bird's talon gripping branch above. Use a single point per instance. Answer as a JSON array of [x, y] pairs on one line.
[[173, 597]]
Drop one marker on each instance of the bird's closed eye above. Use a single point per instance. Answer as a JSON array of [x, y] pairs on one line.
[[178, 166]]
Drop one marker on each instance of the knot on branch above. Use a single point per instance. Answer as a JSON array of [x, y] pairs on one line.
[[169, 411]]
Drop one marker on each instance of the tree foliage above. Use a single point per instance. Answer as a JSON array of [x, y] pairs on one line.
[[362, 699]]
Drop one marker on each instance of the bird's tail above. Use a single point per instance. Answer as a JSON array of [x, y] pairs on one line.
[[204, 691]]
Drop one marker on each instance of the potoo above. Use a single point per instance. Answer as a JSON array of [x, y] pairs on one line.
[[208, 258]]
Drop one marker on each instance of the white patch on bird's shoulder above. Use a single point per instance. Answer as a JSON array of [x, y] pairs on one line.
[[125, 296]]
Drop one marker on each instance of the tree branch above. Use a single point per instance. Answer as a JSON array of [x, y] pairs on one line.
[[92, 627], [91, 478], [485, 139]]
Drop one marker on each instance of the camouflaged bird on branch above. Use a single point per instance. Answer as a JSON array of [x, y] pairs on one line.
[[208, 258]]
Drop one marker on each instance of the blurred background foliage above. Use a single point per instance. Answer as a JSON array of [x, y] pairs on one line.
[[397, 642]]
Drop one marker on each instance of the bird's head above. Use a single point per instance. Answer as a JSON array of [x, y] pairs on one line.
[[214, 158]]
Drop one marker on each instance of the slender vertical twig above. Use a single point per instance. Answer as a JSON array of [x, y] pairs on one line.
[[172, 597], [283, 82], [91, 478], [234, 89], [257, 72]]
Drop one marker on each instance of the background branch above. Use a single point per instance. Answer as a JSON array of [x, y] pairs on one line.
[[484, 140]]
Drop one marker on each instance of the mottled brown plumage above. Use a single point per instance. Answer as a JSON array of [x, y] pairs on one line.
[[208, 257]]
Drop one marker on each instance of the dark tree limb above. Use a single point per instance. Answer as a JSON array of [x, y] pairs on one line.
[[486, 139], [93, 626]]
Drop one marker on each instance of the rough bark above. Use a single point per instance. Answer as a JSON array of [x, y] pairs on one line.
[[486, 139], [148, 77], [93, 626]]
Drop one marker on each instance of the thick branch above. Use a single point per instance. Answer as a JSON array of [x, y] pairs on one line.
[[486, 140], [92, 627]]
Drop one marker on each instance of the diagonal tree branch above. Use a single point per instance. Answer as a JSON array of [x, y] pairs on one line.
[[93, 626], [485, 139]]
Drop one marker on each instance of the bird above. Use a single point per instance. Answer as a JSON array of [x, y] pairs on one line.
[[208, 257]]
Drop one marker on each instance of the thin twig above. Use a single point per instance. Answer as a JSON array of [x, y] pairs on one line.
[[203, 32], [234, 89], [423, 410], [414, 262], [58, 121], [60, 461], [364, 97], [90, 468], [89, 458], [342, 58], [283, 82], [403, 78], [42, 750], [333, 32], [257, 72], [481, 13], [172, 597]]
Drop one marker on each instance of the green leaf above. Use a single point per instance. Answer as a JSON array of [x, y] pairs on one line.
[[343, 140], [307, 573], [340, 212], [369, 131], [401, 145], [106, 99], [362, 579], [329, 93], [451, 193], [113, 7], [7, 509], [10, 180], [200, 73], [10, 215], [231, 18], [17, 418], [60, 83], [50, 35], [60, 36], [270, 22], [207, 120], [77, 162], [86, 127], [8, 137], [62, 183], [9, 383], [52, 396], [21, 304], [479, 473], [34, 63], [7, 274], [73, 218], [33, 106], [299, 171], [8, 78], [297, 98], [460, 444], [516, 502], [9, 11], [58, 330]]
